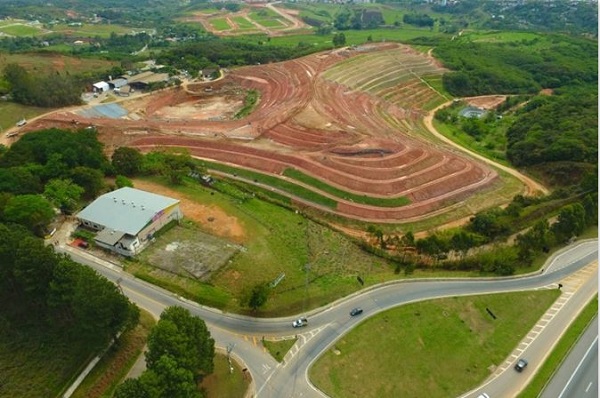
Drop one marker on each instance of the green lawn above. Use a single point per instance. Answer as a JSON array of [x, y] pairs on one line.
[[439, 348], [279, 348], [20, 30], [223, 383]]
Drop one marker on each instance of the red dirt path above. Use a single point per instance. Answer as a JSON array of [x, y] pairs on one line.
[[304, 121]]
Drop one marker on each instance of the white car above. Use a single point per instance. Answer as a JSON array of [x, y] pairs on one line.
[[21, 123], [298, 323], [483, 395]]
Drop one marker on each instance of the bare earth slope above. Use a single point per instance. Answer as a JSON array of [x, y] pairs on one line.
[[346, 117]]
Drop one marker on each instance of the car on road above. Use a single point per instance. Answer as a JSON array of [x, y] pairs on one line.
[[300, 322], [21, 122], [520, 365], [356, 311], [483, 395]]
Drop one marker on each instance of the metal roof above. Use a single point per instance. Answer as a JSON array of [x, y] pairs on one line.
[[109, 236], [127, 209]]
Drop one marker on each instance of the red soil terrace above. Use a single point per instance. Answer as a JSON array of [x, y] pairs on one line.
[[354, 140]]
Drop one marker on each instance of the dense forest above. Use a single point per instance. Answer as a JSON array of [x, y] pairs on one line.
[[226, 53], [547, 131], [43, 90], [525, 66]]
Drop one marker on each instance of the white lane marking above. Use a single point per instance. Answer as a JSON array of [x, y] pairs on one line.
[[578, 366], [588, 387]]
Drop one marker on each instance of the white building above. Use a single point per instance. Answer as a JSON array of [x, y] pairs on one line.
[[128, 218], [101, 87]]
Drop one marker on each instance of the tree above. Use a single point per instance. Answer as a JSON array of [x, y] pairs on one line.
[[34, 269], [571, 222], [591, 209], [489, 223], [177, 166], [127, 161], [339, 39], [31, 211], [183, 336], [376, 233], [132, 388], [461, 242], [259, 296], [64, 194], [91, 180], [122, 181], [167, 378]]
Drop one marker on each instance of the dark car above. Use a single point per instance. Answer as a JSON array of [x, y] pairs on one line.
[[356, 311], [520, 365]]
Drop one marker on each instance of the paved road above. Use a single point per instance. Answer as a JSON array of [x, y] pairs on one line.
[[327, 324], [578, 374]]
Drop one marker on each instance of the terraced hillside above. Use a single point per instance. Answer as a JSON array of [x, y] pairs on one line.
[[342, 124]]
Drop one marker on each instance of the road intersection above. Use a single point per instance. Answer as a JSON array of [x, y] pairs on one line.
[[575, 267]]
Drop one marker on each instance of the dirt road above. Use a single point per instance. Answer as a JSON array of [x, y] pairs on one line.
[[533, 187]]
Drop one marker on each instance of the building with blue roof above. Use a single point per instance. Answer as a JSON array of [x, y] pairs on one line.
[[128, 218]]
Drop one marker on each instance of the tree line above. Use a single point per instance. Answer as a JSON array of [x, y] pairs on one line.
[[45, 89], [525, 216], [43, 290]]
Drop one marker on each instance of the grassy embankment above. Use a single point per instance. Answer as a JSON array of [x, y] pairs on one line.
[[437, 348]]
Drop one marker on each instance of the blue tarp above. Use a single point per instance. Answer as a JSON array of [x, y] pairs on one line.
[[113, 111]]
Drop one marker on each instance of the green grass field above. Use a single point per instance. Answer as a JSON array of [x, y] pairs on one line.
[[353, 37], [266, 18], [20, 30], [439, 348], [243, 23], [276, 240], [46, 62], [91, 30], [11, 113], [220, 24]]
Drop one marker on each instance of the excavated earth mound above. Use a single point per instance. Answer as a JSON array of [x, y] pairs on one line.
[[346, 117]]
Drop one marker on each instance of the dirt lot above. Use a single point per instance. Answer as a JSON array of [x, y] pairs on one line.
[[212, 218], [189, 253]]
